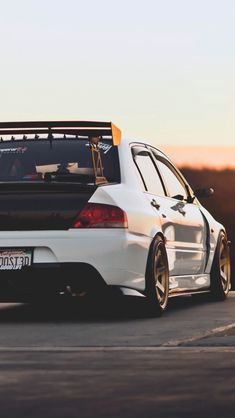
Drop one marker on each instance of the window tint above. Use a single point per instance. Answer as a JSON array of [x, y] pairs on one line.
[[29, 160], [149, 173], [172, 183]]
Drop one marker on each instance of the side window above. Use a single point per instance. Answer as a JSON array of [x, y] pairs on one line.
[[171, 181], [149, 174]]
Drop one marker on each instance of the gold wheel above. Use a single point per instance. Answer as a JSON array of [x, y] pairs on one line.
[[161, 276], [221, 269], [224, 265], [157, 277]]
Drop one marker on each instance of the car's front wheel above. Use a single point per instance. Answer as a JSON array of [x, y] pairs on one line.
[[221, 269], [157, 278]]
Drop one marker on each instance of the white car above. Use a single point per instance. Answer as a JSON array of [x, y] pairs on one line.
[[83, 210]]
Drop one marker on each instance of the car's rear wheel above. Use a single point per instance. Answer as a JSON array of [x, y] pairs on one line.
[[157, 278], [221, 269]]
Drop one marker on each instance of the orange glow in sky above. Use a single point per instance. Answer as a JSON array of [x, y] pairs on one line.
[[199, 157]]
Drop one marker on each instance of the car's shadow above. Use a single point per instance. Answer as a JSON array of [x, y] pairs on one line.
[[112, 309]]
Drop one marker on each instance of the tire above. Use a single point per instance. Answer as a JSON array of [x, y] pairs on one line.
[[221, 269], [157, 278]]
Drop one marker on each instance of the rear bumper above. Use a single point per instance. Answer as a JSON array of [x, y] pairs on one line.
[[83, 258], [50, 279]]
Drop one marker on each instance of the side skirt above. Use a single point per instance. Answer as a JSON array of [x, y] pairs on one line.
[[189, 284]]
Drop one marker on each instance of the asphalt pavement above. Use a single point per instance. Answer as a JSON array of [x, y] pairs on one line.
[[109, 359]]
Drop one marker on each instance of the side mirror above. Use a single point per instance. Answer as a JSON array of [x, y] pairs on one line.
[[204, 193]]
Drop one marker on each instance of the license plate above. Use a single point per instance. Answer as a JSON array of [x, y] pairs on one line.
[[15, 259]]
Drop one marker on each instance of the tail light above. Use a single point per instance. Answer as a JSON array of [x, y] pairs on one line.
[[96, 215]]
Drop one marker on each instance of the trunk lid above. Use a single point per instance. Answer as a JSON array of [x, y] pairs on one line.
[[27, 206]]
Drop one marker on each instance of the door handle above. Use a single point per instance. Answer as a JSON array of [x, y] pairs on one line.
[[179, 207], [155, 204]]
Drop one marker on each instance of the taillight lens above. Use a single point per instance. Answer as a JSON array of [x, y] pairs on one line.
[[97, 215]]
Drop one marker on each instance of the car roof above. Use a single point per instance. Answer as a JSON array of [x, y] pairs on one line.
[[133, 142]]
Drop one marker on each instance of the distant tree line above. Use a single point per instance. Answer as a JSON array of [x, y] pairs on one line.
[[222, 204]]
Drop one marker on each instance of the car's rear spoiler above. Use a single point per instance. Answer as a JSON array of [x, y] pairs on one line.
[[78, 128]]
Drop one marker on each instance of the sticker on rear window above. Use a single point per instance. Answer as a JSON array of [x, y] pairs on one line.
[[18, 150], [103, 146]]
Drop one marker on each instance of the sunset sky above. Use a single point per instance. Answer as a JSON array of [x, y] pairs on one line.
[[202, 156], [164, 71]]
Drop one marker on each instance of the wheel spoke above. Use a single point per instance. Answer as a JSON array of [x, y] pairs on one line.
[[223, 276], [157, 256], [223, 261], [160, 286], [161, 270]]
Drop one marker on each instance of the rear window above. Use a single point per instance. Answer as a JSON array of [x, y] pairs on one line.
[[34, 159]]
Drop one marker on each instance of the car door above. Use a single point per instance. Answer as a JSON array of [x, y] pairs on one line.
[[191, 229], [156, 195]]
